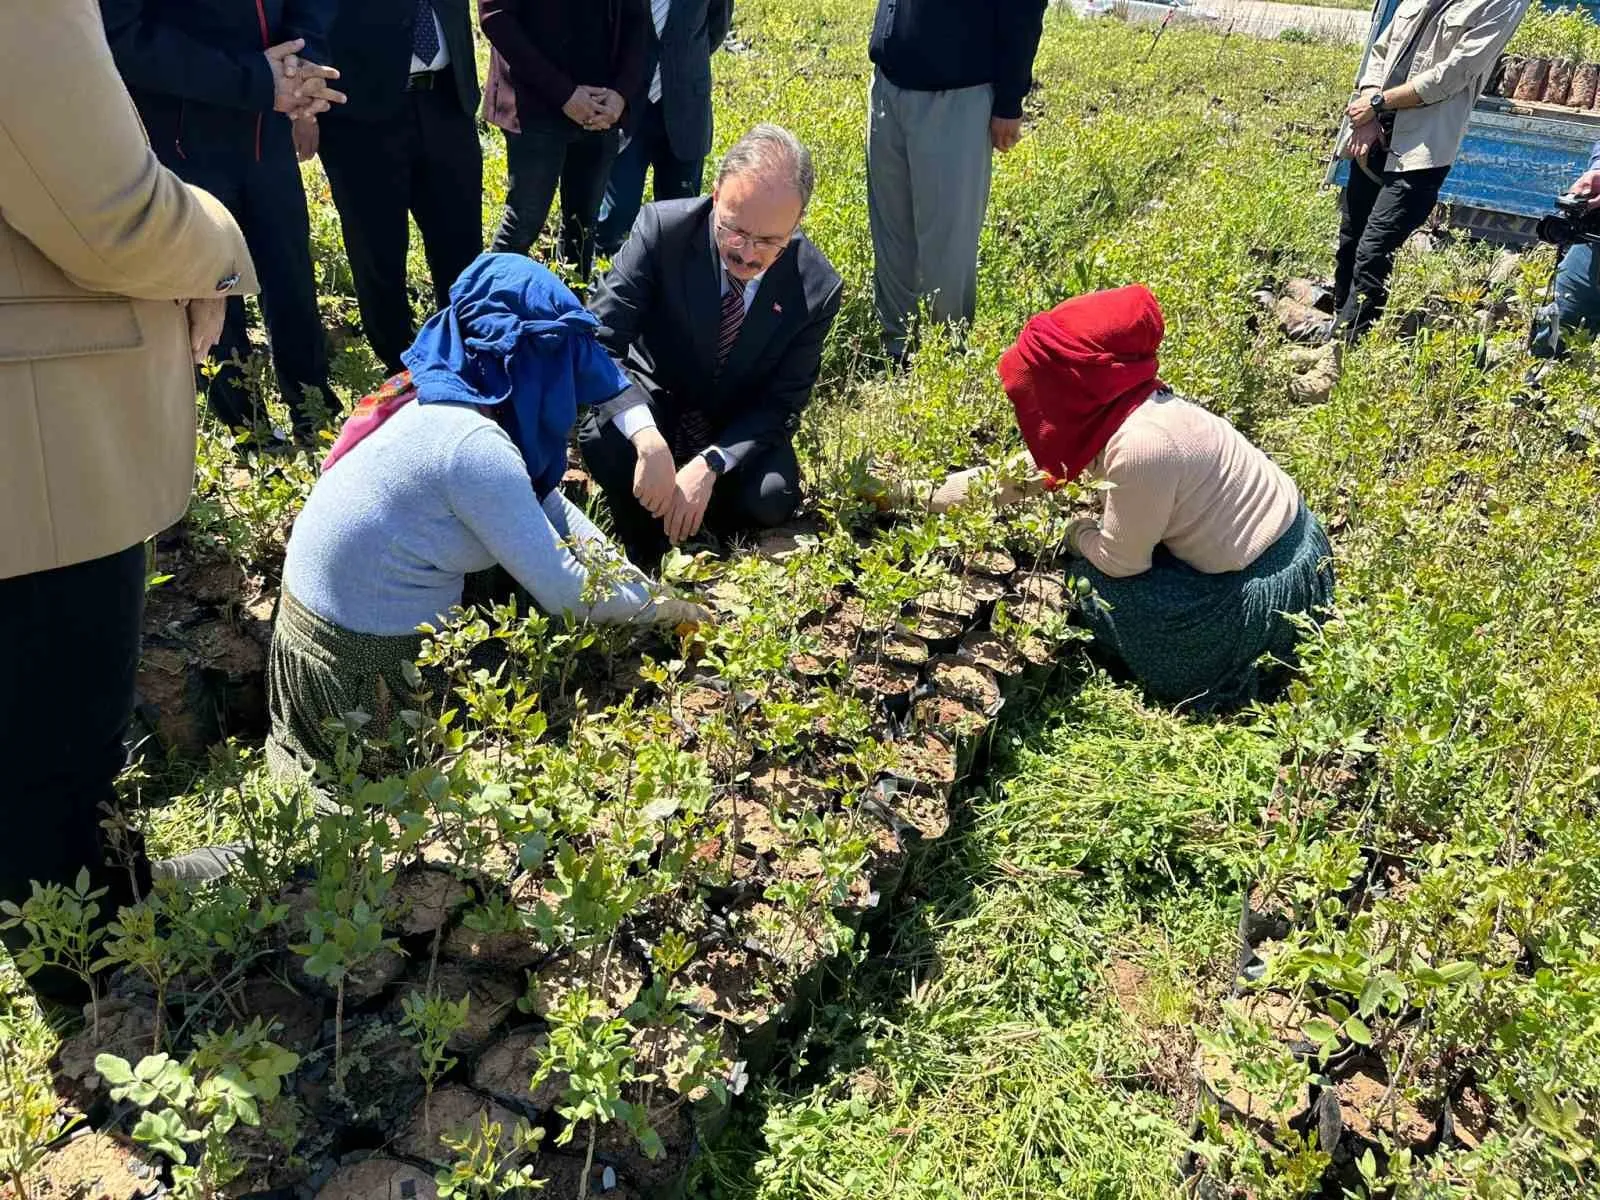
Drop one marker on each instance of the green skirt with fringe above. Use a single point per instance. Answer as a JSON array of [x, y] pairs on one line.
[[318, 672]]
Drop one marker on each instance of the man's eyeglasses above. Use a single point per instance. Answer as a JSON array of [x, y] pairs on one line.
[[738, 237]]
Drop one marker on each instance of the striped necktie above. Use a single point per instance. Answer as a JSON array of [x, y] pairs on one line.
[[732, 318]]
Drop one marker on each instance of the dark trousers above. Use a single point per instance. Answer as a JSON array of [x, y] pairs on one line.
[[761, 492], [648, 149], [1376, 218], [266, 198], [424, 160], [546, 154], [67, 673]]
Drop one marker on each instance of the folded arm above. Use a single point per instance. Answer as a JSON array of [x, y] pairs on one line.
[[502, 25], [311, 21], [159, 57]]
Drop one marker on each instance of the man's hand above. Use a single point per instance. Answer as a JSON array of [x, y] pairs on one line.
[[300, 88], [205, 325], [653, 476], [1359, 110], [693, 493], [1588, 184], [582, 109], [1005, 132], [611, 105], [1363, 140], [307, 139]]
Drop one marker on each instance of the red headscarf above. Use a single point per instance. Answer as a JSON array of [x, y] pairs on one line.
[[1078, 371]]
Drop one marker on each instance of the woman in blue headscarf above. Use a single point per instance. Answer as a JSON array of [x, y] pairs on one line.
[[453, 466]]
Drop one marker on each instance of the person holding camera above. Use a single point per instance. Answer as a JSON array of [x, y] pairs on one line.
[[1404, 126], [1577, 298]]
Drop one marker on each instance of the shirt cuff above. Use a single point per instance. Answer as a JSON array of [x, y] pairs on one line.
[[631, 421]]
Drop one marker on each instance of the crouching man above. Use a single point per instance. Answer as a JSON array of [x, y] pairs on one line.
[[718, 309]]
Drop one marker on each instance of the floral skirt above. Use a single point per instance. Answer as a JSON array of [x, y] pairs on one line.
[[1194, 639]]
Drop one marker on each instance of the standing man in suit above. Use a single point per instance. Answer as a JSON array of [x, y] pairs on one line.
[[407, 141], [947, 95], [718, 310], [560, 79], [114, 285], [671, 129], [217, 82]]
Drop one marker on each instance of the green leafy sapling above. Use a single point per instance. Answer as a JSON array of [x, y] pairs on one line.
[[486, 1166], [138, 939], [33, 1114], [431, 1021], [191, 1107], [595, 1055], [62, 924]]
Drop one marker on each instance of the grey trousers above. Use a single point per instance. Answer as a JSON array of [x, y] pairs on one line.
[[929, 161]]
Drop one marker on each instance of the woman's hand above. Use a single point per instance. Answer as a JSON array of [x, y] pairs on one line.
[[677, 613]]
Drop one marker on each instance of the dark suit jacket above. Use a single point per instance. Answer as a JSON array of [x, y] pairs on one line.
[[660, 309], [371, 46], [198, 72], [527, 78], [694, 30]]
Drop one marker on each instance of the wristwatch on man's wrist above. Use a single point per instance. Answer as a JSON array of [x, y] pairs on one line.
[[1378, 104], [715, 460]]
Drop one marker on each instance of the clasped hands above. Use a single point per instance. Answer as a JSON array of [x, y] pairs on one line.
[[1365, 130], [300, 87], [594, 108], [676, 497]]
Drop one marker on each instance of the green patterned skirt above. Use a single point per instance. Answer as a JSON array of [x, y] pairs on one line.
[[1196, 640], [318, 672]]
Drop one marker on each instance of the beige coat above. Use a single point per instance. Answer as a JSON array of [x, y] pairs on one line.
[[98, 243], [1452, 64]]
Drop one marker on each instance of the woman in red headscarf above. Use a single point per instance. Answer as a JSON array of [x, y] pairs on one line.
[[1204, 549]]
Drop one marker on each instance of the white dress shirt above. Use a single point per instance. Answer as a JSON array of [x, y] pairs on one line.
[[631, 420], [441, 60]]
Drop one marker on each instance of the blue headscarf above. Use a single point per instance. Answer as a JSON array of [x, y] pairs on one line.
[[514, 332]]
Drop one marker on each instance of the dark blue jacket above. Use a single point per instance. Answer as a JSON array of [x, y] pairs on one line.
[[371, 46], [941, 45], [198, 71]]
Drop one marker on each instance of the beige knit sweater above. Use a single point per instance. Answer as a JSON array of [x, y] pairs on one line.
[[1185, 477]]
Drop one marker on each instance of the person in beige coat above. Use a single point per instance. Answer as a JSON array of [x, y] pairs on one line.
[[112, 278]]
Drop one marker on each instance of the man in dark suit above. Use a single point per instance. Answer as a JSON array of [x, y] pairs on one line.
[[406, 141], [216, 82], [670, 133], [718, 309]]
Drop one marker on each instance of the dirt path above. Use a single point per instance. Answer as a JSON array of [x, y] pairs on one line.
[[1262, 19]]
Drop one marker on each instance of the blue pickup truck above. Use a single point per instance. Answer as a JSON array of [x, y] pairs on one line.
[[1516, 159]]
